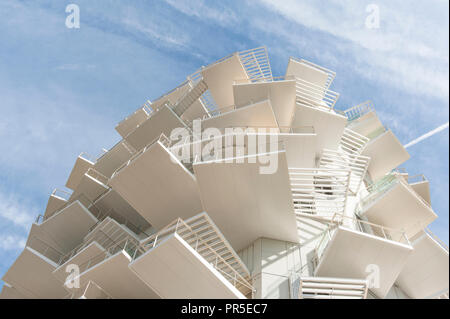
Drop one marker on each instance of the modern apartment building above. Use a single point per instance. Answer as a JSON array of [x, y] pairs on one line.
[[239, 184]]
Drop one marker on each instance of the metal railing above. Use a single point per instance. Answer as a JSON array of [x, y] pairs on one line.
[[97, 176], [206, 250], [358, 111], [436, 238], [417, 179], [256, 63], [379, 188], [313, 95], [61, 194], [162, 138], [44, 249], [362, 226], [80, 198], [330, 74]]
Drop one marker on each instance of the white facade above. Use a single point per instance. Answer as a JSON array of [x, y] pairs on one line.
[[239, 184]]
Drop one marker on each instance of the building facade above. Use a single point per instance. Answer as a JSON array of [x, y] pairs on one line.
[[239, 184]]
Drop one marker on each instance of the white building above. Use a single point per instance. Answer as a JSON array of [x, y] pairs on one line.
[[299, 201]]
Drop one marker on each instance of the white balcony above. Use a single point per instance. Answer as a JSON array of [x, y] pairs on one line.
[[353, 248], [328, 126], [82, 164], [31, 273], [259, 114], [363, 119], [393, 203], [421, 186], [190, 260], [57, 200], [66, 227], [385, 152], [157, 185], [92, 185], [281, 93], [425, 274], [111, 272], [127, 125], [245, 202], [162, 121], [112, 159], [310, 72], [172, 97], [9, 292]]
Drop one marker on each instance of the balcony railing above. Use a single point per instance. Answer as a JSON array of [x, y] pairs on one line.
[[97, 176], [417, 179], [379, 188], [358, 111], [65, 195], [362, 226], [379, 131], [202, 235], [330, 74], [44, 249], [256, 63]]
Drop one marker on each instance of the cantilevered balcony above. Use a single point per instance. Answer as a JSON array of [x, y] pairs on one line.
[[9, 292], [57, 200], [247, 193], [385, 152], [310, 72], [91, 291], [157, 185], [328, 126], [82, 164], [352, 142], [110, 270], [425, 274], [92, 185], [280, 91], [421, 186], [331, 288], [352, 248], [107, 163], [96, 243], [191, 259], [66, 227], [162, 121], [393, 203], [128, 124], [31, 274], [251, 65], [362, 118]]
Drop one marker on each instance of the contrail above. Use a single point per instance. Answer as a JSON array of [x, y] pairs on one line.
[[427, 135]]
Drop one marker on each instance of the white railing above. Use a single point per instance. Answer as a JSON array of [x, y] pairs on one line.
[[357, 164], [417, 179], [97, 176], [313, 95], [330, 74], [332, 288], [202, 235], [319, 191], [256, 63], [436, 238], [61, 194], [362, 226], [379, 188], [358, 111], [44, 249], [353, 142]]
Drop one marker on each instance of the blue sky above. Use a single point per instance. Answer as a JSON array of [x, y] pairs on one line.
[[63, 90]]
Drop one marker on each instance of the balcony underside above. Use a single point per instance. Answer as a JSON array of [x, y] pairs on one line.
[[300, 149], [172, 97], [9, 292], [158, 188], [82, 257], [350, 253], [163, 121], [220, 78], [31, 275], [121, 209], [255, 115], [90, 187], [195, 111], [79, 169], [246, 204], [426, 271], [423, 190], [306, 72], [366, 124], [328, 126], [54, 203], [112, 159], [386, 153], [280, 93], [400, 208], [115, 277], [174, 270], [131, 122]]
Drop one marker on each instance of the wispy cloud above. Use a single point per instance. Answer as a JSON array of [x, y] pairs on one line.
[[427, 135], [13, 211], [12, 242]]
